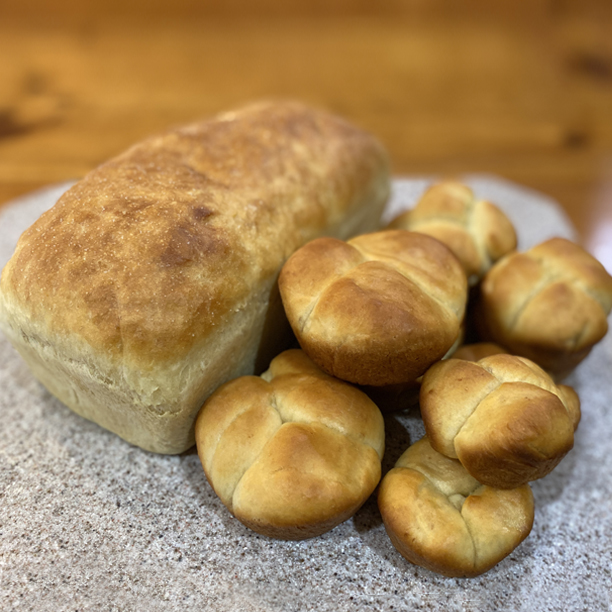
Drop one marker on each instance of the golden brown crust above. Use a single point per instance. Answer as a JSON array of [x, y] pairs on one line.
[[441, 518], [477, 232], [377, 310], [502, 417], [291, 454], [129, 279], [549, 304]]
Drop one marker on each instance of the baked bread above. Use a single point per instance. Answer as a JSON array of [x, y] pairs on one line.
[[378, 309], [476, 231], [503, 417], [153, 280], [441, 518], [549, 304], [291, 454]]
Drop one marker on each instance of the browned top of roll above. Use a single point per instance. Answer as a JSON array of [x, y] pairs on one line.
[[134, 259]]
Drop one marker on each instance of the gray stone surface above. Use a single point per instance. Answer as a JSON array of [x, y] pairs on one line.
[[88, 522]]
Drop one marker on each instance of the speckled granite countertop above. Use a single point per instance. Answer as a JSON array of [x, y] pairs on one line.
[[88, 522]]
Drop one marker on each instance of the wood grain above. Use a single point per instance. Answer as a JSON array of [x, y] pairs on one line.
[[524, 92]]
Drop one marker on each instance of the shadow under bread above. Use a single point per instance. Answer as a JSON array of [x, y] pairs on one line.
[[211, 508], [276, 335], [397, 440], [550, 488]]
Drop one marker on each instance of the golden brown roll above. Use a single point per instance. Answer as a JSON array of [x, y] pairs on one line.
[[291, 454], [503, 417], [549, 304], [153, 280], [378, 309], [441, 518], [476, 231]]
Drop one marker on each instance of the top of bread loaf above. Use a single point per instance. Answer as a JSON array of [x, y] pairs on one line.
[[138, 269]]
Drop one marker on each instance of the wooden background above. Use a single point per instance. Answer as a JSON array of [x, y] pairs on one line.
[[519, 88]]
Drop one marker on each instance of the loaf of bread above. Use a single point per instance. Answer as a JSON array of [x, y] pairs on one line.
[[503, 417], [291, 454], [378, 309], [440, 517], [476, 231], [549, 304], [152, 281]]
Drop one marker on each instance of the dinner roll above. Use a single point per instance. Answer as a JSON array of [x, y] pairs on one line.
[[476, 231], [549, 304], [378, 309], [443, 519], [503, 417], [291, 454]]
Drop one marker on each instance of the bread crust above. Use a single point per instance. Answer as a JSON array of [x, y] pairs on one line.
[[153, 280]]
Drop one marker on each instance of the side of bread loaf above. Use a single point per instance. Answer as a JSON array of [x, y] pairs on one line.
[[153, 280]]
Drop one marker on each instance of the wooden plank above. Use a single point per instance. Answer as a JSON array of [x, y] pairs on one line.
[[527, 96]]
